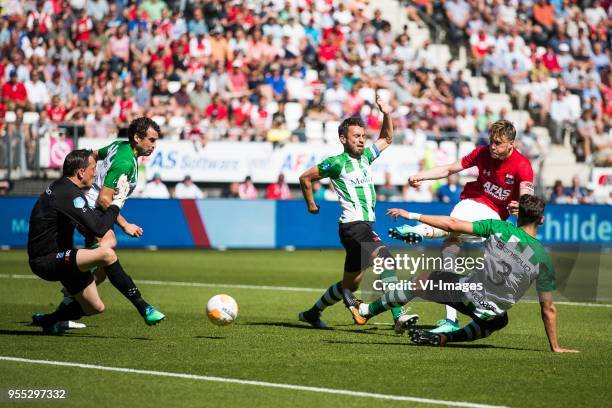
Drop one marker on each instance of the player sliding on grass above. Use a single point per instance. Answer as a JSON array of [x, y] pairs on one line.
[[51, 252], [351, 176], [514, 259], [504, 175], [116, 160]]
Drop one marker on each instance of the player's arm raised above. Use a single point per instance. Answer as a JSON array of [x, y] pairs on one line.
[[306, 180], [435, 173], [443, 222], [386, 133], [549, 317]]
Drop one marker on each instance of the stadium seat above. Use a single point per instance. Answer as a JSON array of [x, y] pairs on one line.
[[293, 113], [314, 130], [441, 54], [174, 86], [10, 117], [385, 94], [177, 122], [450, 148], [519, 118], [368, 94], [331, 131], [465, 148], [30, 117], [160, 120]]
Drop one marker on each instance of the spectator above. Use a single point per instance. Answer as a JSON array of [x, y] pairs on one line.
[[388, 191], [576, 192], [187, 189], [449, 193], [558, 195], [155, 188], [99, 125], [247, 190], [15, 92], [38, 95], [586, 132], [232, 190], [279, 190]]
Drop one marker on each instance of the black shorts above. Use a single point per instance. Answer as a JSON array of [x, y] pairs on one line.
[[61, 266], [359, 241], [454, 298]]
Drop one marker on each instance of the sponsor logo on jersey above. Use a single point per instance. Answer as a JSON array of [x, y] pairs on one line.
[[509, 179], [486, 172], [358, 181], [79, 202], [496, 191]]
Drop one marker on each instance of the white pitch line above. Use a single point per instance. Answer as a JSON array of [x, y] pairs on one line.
[[275, 288], [255, 383]]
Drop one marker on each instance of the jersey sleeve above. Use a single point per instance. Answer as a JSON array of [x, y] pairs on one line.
[[546, 277], [115, 171], [472, 159], [95, 221], [525, 172], [484, 228], [103, 152], [330, 167], [371, 153]]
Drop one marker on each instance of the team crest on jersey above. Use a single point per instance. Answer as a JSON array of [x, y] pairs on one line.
[[509, 179], [79, 202], [325, 166]]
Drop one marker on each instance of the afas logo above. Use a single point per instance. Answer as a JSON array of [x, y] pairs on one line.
[[496, 191]]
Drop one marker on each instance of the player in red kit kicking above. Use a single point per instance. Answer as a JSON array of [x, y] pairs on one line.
[[504, 174]]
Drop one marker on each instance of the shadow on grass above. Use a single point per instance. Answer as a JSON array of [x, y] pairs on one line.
[[450, 345], [209, 337], [68, 334]]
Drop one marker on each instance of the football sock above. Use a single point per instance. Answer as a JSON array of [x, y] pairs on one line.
[[469, 332], [478, 329], [122, 281], [389, 276], [72, 311], [450, 251], [391, 299], [429, 232], [332, 295]]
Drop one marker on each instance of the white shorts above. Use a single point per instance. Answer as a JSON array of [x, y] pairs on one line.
[[470, 210]]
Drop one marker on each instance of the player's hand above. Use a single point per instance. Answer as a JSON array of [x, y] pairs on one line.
[[132, 230], [121, 191], [562, 350], [395, 213], [513, 208], [415, 181], [382, 105], [313, 208]]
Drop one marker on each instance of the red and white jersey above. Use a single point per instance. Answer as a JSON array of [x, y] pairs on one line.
[[498, 180]]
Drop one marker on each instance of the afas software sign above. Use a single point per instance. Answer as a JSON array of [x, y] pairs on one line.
[[233, 161]]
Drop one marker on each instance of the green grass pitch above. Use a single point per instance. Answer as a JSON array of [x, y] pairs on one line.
[[512, 367]]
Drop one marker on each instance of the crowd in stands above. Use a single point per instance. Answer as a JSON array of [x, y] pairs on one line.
[[269, 69]]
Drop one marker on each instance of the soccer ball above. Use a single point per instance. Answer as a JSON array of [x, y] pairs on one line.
[[222, 310]]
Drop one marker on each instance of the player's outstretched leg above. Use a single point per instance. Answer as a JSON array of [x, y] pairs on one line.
[[388, 277], [415, 234], [124, 283], [477, 329], [391, 299], [312, 316]]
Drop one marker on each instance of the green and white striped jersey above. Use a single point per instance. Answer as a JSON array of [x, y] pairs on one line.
[[113, 160], [513, 261], [352, 180]]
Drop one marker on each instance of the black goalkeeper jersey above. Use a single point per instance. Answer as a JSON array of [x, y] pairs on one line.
[[57, 212]]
